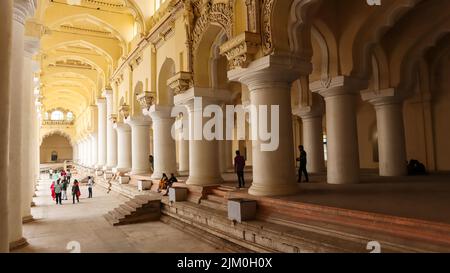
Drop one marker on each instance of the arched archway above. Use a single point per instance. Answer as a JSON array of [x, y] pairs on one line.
[[55, 147], [165, 93]]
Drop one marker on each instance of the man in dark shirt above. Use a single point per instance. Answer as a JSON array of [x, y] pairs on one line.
[[239, 165], [303, 163]]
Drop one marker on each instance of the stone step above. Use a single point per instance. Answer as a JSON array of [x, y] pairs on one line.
[[122, 211], [260, 236], [213, 205], [215, 198], [110, 219]]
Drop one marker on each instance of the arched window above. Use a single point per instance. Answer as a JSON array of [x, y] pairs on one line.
[[57, 115], [69, 116]]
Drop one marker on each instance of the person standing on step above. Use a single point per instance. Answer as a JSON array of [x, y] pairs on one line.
[[303, 162], [239, 165], [76, 191], [90, 184]]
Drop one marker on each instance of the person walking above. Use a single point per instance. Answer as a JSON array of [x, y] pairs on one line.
[[303, 162], [239, 165], [90, 184], [76, 191], [52, 189], [68, 176], [58, 190], [65, 184]]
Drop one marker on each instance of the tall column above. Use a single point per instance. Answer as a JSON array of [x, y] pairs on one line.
[[204, 165], [22, 9], [269, 81], [94, 149], [183, 147], [111, 134], [5, 62], [313, 134], [140, 144], [391, 132], [31, 47], [124, 147], [163, 142], [101, 141], [342, 134]]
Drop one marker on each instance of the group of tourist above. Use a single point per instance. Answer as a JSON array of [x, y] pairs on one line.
[[60, 185], [166, 183]]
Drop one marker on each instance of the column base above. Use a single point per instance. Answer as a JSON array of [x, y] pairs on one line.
[[33, 204], [22, 242], [27, 219], [121, 170], [275, 190], [136, 172], [204, 181]]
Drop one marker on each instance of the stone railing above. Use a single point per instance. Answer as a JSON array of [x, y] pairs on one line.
[[58, 122]]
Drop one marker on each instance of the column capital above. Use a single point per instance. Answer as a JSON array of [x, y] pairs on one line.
[[31, 46], [381, 97], [316, 109], [209, 95], [340, 85], [271, 70], [122, 127], [159, 112], [107, 93], [22, 9], [138, 121], [100, 101]]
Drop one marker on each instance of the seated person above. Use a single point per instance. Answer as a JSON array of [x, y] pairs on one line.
[[170, 182], [163, 183]]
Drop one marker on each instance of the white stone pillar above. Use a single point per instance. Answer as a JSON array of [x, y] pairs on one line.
[[312, 117], [124, 147], [204, 165], [140, 144], [31, 47], [391, 131], [5, 62], [342, 133], [101, 141], [269, 81], [22, 9], [183, 147], [111, 134], [94, 150], [163, 141]]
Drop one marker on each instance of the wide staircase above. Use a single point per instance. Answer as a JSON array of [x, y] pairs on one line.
[[281, 225], [141, 208], [293, 227]]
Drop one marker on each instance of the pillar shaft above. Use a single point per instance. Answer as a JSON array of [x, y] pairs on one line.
[[313, 143], [101, 137], [5, 62], [204, 166], [140, 144], [111, 134], [391, 139], [124, 147], [269, 81], [342, 133], [21, 10], [163, 142]]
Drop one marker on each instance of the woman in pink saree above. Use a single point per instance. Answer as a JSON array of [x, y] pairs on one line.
[[52, 188]]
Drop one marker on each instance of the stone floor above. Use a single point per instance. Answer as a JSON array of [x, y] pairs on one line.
[[420, 197], [56, 226]]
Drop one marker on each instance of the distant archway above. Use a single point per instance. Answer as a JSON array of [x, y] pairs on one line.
[[55, 148]]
